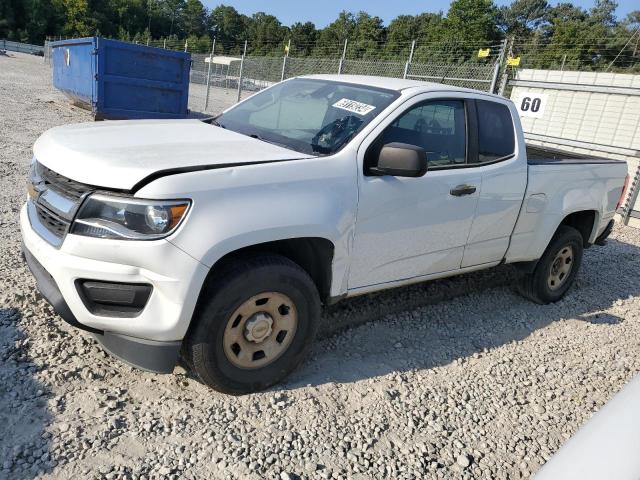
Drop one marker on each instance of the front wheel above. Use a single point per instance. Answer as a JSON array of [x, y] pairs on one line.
[[257, 322], [557, 268]]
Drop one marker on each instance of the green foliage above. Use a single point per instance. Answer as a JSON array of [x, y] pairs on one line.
[[303, 38], [228, 27], [266, 34], [546, 36], [471, 21], [369, 36], [523, 17], [194, 18], [331, 39]]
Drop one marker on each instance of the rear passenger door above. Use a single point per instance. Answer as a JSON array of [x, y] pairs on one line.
[[413, 227], [504, 180]]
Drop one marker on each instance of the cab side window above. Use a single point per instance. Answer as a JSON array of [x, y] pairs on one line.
[[496, 139], [438, 126]]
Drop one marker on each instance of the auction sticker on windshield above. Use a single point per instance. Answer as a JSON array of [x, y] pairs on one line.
[[353, 106]]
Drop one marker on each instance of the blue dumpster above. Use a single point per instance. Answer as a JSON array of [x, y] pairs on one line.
[[119, 80]]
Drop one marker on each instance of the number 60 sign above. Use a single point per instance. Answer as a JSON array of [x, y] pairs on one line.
[[531, 104]]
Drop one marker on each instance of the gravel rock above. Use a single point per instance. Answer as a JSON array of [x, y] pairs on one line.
[[539, 409], [463, 460], [449, 379]]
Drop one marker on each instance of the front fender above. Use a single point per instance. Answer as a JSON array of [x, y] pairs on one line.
[[238, 207]]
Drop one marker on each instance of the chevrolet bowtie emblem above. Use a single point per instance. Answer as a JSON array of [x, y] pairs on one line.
[[33, 191]]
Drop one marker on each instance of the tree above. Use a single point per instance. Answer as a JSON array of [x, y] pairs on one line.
[[174, 11], [523, 18], [603, 14], [578, 38], [303, 38], [471, 22], [12, 14], [430, 26], [266, 33], [332, 38], [121, 17], [200, 44], [368, 36], [401, 32], [546, 36], [44, 19], [79, 20], [194, 18], [228, 27], [631, 26]]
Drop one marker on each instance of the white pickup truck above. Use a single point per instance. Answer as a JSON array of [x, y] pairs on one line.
[[219, 240]]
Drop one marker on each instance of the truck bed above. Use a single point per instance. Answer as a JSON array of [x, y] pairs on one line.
[[537, 155]]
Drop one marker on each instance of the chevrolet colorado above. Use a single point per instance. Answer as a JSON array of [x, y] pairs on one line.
[[219, 240]]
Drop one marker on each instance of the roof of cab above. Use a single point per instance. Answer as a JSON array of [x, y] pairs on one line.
[[389, 83]]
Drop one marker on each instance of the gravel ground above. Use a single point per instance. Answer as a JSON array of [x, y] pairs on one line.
[[454, 379]]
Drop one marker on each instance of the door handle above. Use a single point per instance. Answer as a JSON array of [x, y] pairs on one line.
[[461, 190]]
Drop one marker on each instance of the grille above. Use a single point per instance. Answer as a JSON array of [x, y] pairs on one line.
[[44, 179], [52, 222], [63, 185]]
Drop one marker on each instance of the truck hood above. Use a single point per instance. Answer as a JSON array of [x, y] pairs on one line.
[[121, 154]]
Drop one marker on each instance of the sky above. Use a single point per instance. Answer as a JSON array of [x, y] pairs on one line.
[[324, 12]]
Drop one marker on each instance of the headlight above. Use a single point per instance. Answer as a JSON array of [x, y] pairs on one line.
[[123, 218]]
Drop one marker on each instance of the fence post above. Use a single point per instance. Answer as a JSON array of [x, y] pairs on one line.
[[505, 72], [498, 65], [408, 64], [344, 54], [186, 44], [284, 60], [637, 32], [206, 98], [244, 53], [164, 45]]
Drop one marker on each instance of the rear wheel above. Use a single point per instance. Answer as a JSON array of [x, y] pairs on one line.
[[258, 320], [557, 268]]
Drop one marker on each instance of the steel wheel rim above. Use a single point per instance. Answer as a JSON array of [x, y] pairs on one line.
[[260, 330], [560, 268]]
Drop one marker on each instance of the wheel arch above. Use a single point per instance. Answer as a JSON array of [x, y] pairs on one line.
[[585, 221], [313, 254]]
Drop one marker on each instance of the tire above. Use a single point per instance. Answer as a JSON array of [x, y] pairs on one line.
[[221, 342], [546, 283]]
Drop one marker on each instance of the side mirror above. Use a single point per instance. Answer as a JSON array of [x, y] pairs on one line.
[[401, 160]]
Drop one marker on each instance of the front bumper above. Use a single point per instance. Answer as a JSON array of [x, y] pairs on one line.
[[149, 340], [160, 357]]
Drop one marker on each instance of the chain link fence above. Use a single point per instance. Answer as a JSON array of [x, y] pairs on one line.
[[470, 75], [227, 74], [10, 46], [248, 74], [219, 79]]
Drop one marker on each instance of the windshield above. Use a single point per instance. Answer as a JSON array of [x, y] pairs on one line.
[[315, 117]]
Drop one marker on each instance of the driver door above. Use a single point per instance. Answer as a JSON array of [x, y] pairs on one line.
[[414, 227]]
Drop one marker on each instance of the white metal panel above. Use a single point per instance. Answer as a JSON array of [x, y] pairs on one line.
[[581, 116], [222, 60]]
